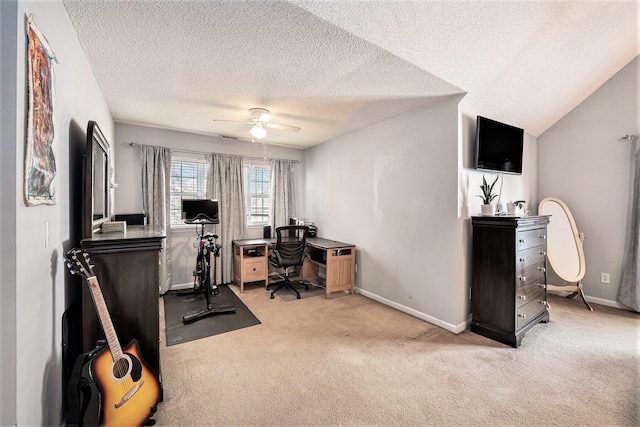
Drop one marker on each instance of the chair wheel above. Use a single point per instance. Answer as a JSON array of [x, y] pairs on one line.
[[298, 296], [272, 296]]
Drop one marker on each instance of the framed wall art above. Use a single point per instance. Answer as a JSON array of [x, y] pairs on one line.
[[40, 161]]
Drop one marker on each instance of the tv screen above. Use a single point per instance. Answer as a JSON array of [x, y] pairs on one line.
[[200, 211], [498, 146]]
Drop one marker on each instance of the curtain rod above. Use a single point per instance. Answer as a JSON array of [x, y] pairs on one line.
[[179, 150]]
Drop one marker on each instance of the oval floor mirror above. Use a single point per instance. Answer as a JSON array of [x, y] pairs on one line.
[[564, 247]]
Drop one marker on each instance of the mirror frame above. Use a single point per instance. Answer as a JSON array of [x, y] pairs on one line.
[[576, 237], [95, 140]]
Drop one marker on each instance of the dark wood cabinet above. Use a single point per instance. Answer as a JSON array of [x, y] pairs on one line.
[[127, 268], [508, 294]]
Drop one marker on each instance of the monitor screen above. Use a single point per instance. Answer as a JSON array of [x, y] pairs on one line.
[[200, 211], [498, 146]]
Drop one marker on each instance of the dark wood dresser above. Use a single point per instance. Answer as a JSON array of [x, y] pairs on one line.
[[509, 292], [127, 268]]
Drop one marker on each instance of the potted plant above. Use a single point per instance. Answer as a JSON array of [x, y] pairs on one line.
[[487, 196], [511, 206]]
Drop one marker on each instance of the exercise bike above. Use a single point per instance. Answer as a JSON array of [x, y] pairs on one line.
[[207, 245]]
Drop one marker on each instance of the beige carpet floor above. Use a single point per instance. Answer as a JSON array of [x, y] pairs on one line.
[[352, 361]]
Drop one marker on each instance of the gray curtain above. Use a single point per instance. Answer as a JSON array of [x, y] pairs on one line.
[[629, 293], [283, 204], [156, 197], [225, 184]]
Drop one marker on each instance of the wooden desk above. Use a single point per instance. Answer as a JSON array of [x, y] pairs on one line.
[[337, 258]]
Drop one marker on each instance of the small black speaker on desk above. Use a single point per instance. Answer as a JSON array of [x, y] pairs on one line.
[[266, 232]]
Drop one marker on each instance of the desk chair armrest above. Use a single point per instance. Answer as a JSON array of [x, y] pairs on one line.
[[275, 257]]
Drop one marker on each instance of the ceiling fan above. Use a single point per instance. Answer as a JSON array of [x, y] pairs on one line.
[[261, 120]]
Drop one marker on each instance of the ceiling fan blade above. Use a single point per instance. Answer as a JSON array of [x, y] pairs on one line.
[[282, 127], [233, 121], [265, 117]]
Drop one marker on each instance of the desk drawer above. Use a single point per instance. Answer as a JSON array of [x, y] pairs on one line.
[[254, 270]]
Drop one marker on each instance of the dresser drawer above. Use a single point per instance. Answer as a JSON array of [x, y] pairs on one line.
[[531, 292], [531, 275], [254, 270], [527, 257], [529, 311], [531, 238]]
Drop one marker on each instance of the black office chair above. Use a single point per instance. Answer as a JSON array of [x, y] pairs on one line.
[[290, 251]]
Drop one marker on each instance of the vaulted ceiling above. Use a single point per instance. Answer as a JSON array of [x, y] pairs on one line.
[[330, 67]]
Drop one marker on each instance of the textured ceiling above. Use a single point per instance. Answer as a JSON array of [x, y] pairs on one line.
[[336, 66]]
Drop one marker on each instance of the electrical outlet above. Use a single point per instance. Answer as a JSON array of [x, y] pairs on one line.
[[605, 278]]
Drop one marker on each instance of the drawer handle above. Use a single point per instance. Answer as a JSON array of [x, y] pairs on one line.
[[522, 260], [522, 278], [543, 237], [542, 285], [544, 270], [541, 301], [522, 297], [524, 316], [521, 240], [254, 269], [543, 253]]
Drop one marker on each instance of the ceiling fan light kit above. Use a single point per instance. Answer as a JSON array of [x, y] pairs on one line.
[[260, 118], [258, 131]]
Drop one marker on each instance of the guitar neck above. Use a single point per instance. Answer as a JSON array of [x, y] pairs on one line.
[[105, 319]]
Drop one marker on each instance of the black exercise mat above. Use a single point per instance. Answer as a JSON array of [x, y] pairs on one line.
[[177, 306]]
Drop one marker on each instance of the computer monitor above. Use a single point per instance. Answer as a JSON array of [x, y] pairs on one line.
[[293, 221], [200, 211]]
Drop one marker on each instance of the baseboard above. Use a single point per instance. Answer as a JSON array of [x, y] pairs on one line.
[[456, 329], [606, 302], [599, 301]]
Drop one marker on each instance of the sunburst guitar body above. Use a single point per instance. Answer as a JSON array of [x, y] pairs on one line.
[[128, 390]]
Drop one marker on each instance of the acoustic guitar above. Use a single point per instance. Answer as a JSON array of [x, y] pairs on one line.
[[128, 390]]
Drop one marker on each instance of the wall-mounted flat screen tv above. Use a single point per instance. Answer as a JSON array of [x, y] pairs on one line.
[[498, 146], [200, 211]]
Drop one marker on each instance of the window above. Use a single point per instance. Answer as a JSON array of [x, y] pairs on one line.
[[257, 193], [188, 181]]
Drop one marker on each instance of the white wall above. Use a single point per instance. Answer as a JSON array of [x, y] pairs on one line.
[[391, 189], [128, 197], [36, 278], [583, 161]]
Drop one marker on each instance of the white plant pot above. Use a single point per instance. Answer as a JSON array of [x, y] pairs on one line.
[[488, 210]]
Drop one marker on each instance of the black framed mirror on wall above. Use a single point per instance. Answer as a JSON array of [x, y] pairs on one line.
[[96, 181]]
